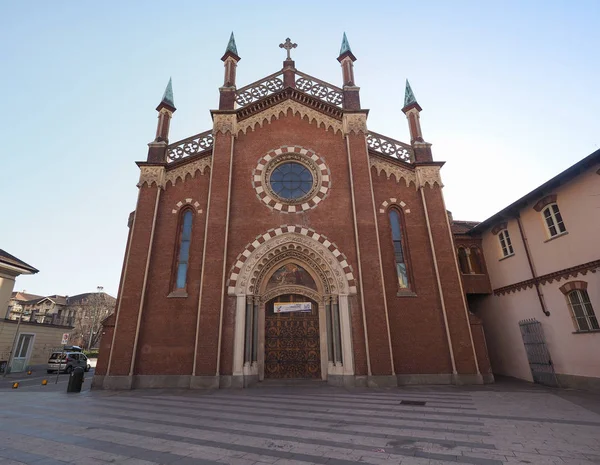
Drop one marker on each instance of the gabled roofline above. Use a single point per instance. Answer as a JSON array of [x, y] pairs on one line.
[[562, 178], [18, 265]]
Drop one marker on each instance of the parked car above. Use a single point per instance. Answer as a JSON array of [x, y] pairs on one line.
[[67, 361]]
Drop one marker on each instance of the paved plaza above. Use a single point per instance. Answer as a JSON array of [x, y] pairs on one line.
[[301, 424]]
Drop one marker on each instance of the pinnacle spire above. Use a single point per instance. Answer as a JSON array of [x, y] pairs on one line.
[[345, 45], [167, 98], [231, 47], [409, 97], [345, 50]]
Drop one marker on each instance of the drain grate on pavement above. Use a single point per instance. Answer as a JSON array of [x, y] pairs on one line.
[[412, 402]]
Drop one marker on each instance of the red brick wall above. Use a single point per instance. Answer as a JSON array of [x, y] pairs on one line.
[[250, 217], [212, 292], [104, 346], [418, 337], [372, 281], [453, 297], [167, 333], [132, 284], [168, 328], [106, 340], [483, 358], [474, 283]]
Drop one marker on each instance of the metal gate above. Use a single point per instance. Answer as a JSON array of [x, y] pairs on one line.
[[539, 358]]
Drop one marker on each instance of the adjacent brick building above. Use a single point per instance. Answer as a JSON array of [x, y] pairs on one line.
[[289, 241]]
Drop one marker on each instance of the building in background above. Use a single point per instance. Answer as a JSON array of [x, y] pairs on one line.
[[10, 268], [15, 308], [17, 343], [83, 312], [541, 314], [290, 241]]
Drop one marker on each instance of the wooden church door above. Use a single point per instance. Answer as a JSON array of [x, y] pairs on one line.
[[292, 348]]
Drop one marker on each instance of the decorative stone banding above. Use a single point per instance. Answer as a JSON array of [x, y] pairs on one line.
[[192, 202], [309, 159], [393, 201], [318, 244]]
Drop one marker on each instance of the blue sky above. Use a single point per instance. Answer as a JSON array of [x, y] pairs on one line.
[[509, 92]]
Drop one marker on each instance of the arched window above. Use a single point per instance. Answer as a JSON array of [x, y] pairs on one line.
[[553, 219], [401, 265], [463, 260], [475, 260], [582, 311], [184, 250]]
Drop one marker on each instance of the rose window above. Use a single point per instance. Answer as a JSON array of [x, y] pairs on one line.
[[291, 180]]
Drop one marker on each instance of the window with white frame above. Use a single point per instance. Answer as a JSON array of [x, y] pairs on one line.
[[582, 311], [505, 243], [553, 219]]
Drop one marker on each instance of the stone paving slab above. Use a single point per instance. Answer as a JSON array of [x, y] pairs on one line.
[[284, 425]]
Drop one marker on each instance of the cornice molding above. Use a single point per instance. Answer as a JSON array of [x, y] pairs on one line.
[[191, 168], [355, 123], [225, 123], [429, 176], [565, 273], [388, 168], [150, 175], [281, 109]]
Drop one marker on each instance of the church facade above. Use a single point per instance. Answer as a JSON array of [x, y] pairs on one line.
[[289, 241]]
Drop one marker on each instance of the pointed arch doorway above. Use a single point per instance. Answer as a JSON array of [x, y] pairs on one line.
[[292, 310], [291, 334]]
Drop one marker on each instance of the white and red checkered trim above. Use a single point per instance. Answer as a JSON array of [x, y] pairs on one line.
[[194, 203], [285, 229], [393, 201], [262, 191]]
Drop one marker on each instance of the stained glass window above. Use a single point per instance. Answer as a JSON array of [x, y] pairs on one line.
[[184, 250], [401, 269], [291, 180]]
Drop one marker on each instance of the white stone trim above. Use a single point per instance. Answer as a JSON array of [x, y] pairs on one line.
[[181, 203], [313, 162], [341, 274], [393, 201], [238, 341], [200, 165], [389, 168], [281, 110]]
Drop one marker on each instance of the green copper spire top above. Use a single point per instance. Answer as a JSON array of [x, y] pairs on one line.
[[345, 46], [231, 47], [168, 95], [409, 97]]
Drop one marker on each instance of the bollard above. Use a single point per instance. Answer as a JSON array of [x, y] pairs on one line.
[[75, 380], [44, 382], [15, 385], [29, 372]]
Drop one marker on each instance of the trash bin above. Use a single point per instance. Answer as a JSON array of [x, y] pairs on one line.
[[75, 380]]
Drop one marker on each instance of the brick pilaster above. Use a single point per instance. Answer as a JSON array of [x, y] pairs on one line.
[[371, 282], [134, 270], [215, 247], [451, 289]]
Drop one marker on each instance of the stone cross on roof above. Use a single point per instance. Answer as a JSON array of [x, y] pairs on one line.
[[288, 46]]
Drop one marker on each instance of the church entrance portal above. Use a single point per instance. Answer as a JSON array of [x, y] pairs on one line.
[[292, 347], [292, 309]]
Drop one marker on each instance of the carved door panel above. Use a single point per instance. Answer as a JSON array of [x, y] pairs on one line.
[[292, 348]]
